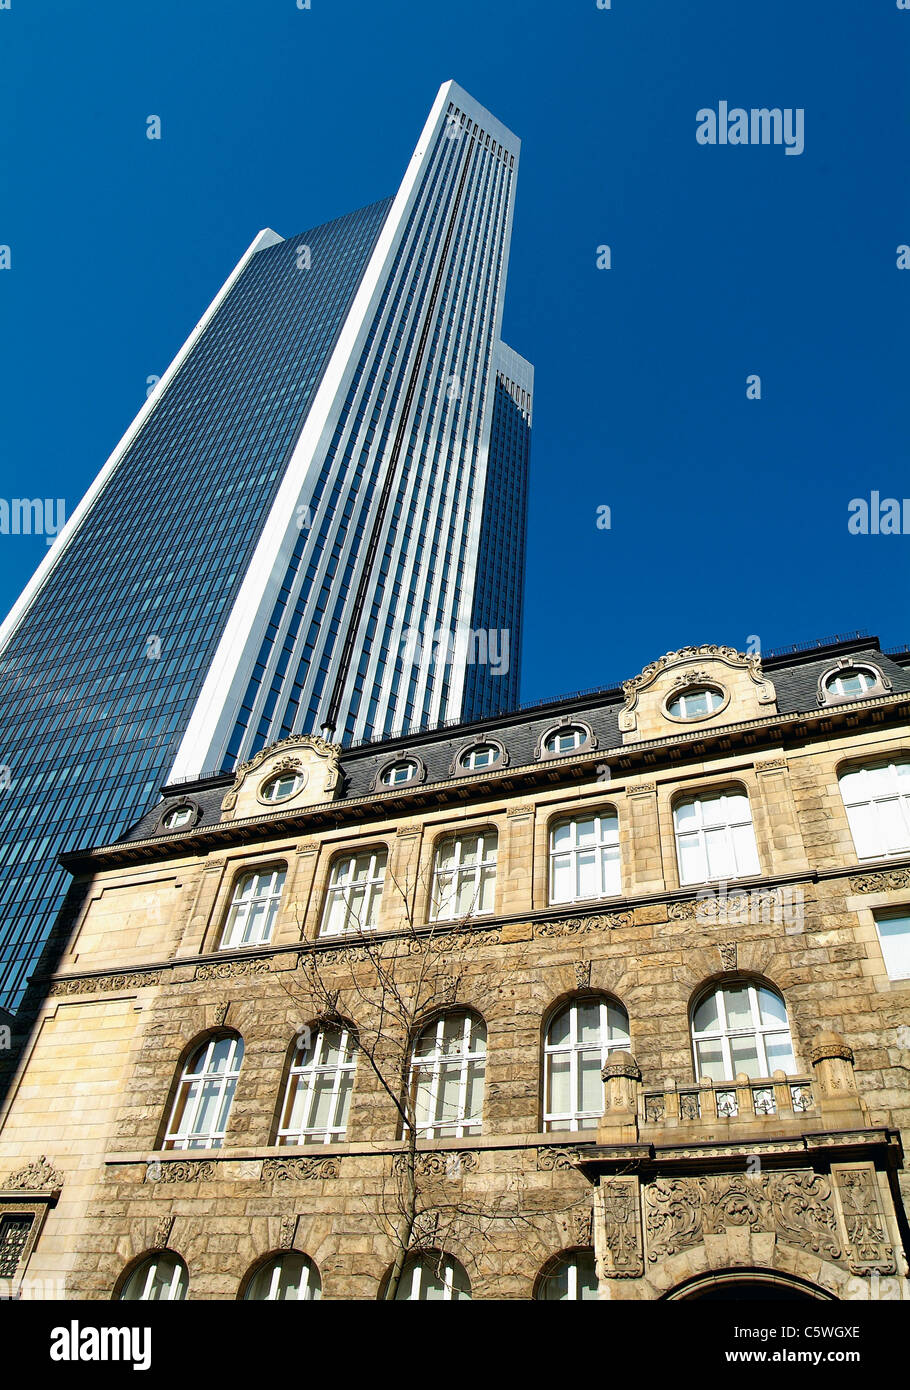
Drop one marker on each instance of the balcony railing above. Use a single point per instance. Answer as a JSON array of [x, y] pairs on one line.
[[744, 1098]]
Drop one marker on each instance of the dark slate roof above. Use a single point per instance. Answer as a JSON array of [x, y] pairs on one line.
[[795, 675]]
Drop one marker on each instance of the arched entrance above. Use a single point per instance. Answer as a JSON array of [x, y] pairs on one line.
[[746, 1286]]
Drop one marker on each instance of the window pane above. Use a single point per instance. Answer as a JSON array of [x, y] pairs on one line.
[[588, 1023], [739, 1008], [894, 933], [591, 1087], [563, 886], [773, 1009], [746, 850], [706, 1019], [560, 1098], [710, 1061], [745, 1056], [559, 1028], [719, 849], [780, 1053], [693, 866]]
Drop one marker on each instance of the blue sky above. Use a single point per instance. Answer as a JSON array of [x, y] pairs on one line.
[[729, 516]]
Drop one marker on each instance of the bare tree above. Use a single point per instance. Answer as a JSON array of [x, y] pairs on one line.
[[399, 982]]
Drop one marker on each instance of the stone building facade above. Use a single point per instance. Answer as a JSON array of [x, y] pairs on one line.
[[663, 938]]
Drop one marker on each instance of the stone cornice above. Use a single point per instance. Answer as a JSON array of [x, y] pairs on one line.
[[608, 914]]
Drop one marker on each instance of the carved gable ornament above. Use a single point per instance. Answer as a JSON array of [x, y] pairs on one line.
[[735, 685], [299, 771]]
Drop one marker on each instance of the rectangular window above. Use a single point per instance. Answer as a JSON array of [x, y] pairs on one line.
[[894, 935], [14, 1234]]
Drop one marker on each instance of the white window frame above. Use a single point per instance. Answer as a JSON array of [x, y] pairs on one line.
[[682, 699], [420, 1265], [698, 832], [606, 839], [310, 1288], [579, 734], [431, 1064], [270, 787], [179, 1284], [192, 1085], [569, 1263], [469, 759], [459, 872], [267, 886], [305, 1075], [341, 889], [572, 1120], [835, 684], [387, 778], [899, 915], [185, 813], [723, 1034], [898, 799]]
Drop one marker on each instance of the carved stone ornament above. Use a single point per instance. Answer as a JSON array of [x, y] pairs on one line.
[[220, 1014], [232, 969], [869, 1250], [299, 1169], [163, 1227], [580, 1226], [880, 883], [826, 1045], [286, 1232], [620, 1064], [558, 1158], [797, 1205], [38, 1176], [182, 1170], [620, 1253], [572, 926], [582, 974], [135, 979], [728, 955], [448, 1163]]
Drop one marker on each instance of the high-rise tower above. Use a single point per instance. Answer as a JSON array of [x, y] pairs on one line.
[[315, 523]]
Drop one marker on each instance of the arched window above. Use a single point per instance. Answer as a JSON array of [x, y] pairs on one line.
[[320, 1082], [447, 1077], [179, 817], [464, 875], [253, 908], [285, 1277], [584, 858], [877, 802], [433, 1277], [204, 1094], [566, 739], [160, 1277], [355, 892], [715, 838], [741, 1028], [571, 1276], [579, 1040]]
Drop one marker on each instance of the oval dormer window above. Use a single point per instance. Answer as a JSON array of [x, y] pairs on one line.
[[695, 703], [178, 818], [480, 756], [282, 787]]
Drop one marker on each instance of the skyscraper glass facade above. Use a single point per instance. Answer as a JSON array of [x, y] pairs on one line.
[[334, 466]]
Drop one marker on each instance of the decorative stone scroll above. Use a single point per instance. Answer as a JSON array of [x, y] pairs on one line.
[[163, 1227], [728, 955], [572, 926], [448, 1163], [880, 883], [134, 979], [620, 1254], [299, 1169], [286, 1232], [557, 1158], [797, 1205], [183, 1170], [231, 969]]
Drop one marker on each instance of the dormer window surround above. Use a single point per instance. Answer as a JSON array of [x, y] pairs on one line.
[[298, 772], [400, 772], [180, 817], [849, 679], [571, 736], [479, 757]]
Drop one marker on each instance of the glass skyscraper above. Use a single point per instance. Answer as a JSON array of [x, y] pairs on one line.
[[315, 523]]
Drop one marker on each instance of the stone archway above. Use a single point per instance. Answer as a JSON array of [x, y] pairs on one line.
[[747, 1286]]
